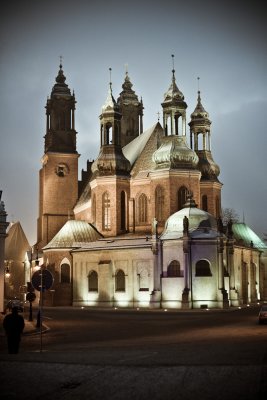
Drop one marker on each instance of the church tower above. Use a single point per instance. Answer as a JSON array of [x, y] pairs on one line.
[[200, 141], [58, 177], [110, 174], [131, 110], [176, 174]]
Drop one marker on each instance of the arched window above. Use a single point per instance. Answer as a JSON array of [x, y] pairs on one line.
[[120, 281], [123, 211], [108, 139], [203, 268], [182, 197], [65, 273], [93, 281], [174, 269], [204, 203], [142, 209], [106, 211], [159, 203]]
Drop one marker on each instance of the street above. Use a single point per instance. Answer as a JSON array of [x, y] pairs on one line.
[[222, 353]]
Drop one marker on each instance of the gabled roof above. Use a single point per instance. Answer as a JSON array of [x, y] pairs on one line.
[[16, 243], [73, 232], [139, 152], [245, 236]]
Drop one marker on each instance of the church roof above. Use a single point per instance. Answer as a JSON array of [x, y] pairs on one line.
[[133, 149], [16, 243], [245, 236], [73, 232], [139, 152], [201, 224]]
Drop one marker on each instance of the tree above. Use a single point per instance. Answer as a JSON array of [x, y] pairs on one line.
[[229, 214]]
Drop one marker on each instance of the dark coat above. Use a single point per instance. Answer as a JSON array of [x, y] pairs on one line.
[[13, 325]]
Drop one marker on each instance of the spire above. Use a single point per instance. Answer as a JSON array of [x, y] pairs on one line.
[[110, 102], [174, 109], [131, 110], [200, 140], [60, 86], [200, 111], [60, 117], [173, 93]]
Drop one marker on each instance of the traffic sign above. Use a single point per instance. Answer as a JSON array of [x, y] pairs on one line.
[[42, 278], [30, 296]]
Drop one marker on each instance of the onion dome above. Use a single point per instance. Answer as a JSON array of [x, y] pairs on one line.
[[201, 224], [207, 166], [174, 153], [111, 161], [60, 86]]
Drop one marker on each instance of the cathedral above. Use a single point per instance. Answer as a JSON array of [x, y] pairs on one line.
[[143, 227]]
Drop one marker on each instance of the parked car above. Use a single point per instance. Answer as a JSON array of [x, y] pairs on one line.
[[15, 303], [263, 314]]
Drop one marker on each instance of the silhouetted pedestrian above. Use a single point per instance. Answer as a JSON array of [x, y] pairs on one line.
[[13, 325]]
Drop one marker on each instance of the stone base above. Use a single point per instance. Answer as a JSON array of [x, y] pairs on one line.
[[155, 299]]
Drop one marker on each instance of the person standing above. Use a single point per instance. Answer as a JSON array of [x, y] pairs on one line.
[[13, 325]]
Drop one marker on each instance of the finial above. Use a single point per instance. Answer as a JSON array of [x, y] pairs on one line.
[[110, 83], [158, 113], [60, 61], [198, 91], [126, 68], [173, 70]]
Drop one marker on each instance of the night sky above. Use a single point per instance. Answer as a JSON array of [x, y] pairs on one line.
[[222, 42]]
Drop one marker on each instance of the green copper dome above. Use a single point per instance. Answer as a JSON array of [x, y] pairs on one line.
[[175, 153]]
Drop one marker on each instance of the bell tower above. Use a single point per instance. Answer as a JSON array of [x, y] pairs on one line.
[[110, 172], [200, 141], [131, 110], [58, 177]]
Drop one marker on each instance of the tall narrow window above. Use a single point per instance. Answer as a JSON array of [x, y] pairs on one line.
[[182, 197], [108, 134], [159, 203], [204, 203], [142, 209], [123, 211], [174, 269], [120, 281], [65, 273], [93, 209], [93, 281], [106, 211], [203, 268]]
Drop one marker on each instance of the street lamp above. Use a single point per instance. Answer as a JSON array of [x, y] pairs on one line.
[[7, 272]]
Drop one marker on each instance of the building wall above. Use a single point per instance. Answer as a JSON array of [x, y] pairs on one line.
[[133, 262], [58, 194]]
